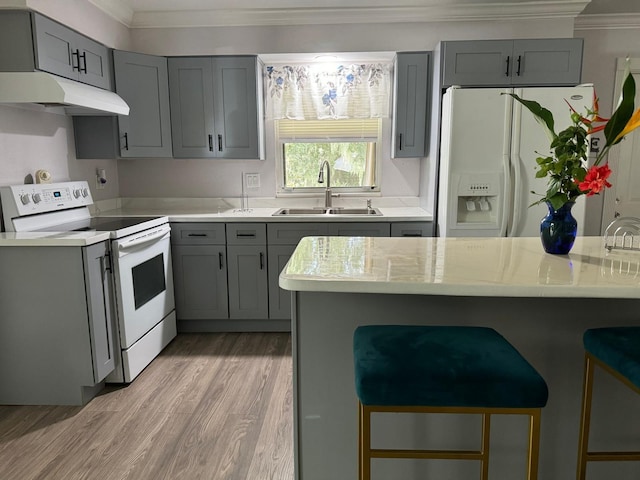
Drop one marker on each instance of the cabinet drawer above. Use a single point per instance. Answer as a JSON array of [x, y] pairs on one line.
[[197, 234], [292, 233], [364, 229], [246, 233], [412, 229]]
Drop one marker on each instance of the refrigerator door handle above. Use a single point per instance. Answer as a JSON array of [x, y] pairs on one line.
[[506, 164], [516, 165]]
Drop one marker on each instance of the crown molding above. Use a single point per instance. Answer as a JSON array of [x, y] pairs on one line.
[[607, 21], [121, 11]]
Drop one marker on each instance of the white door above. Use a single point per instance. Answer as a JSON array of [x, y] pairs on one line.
[[529, 142], [623, 198]]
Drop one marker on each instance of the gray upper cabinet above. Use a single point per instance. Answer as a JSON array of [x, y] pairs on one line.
[[214, 107], [142, 81], [512, 62], [411, 105], [30, 41]]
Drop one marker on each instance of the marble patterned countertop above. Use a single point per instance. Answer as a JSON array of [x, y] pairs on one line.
[[509, 267]]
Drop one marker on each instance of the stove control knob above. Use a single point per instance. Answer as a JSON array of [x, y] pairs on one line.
[[24, 198], [85, 192], [76, 193], [36, 198]]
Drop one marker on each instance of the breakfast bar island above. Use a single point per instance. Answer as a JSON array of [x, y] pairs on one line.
[[541, 303]]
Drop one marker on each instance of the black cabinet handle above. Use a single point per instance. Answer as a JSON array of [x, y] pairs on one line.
[[221, 260], [245, 235], [219, 143], [126, 141], [400, 143], [75, 55], [261, 261], [519, 62], [210, 143], [506, 73], [106, 263], [197, 235], [410, 234], [84, 61]]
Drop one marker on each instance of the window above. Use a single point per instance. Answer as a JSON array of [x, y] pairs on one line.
[[349, 146]]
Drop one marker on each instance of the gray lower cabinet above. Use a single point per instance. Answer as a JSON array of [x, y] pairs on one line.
[[282, 239], [364, 229], [247, 271], [57, 346], [199, 259], [412, 229], [512, 62], [142, 81], [214, 107], [30, 41], [411, 105]]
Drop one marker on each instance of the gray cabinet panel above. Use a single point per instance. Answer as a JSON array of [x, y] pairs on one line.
[[142, 81], [543, 61], [411, 104], [214, 107], [100, 307], [279, 299], [248, 282], [292, 233], [200, 282], [364, 229], [236, 107], [198, 234], [66, 53], [246, 234], [512, 62], [16, 42], [412, 229], [191, 99]]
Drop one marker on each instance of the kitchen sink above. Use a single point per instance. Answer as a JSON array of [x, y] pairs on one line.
[[328, 211]]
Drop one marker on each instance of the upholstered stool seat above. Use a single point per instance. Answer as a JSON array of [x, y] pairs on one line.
[[617, 351], [443, 369]]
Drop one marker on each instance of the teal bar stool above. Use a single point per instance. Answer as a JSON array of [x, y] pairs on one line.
[[616, 350], [442, 369]]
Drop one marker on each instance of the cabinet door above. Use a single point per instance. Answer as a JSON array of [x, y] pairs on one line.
[[200, 282], [547, 61], [411, 104], [142, 81], [235, 107], [191, 100], [93, 62], [477, 63], [412, 229], [363, 229], [54, 48], [99, 288], [279, 299], [248, 282]]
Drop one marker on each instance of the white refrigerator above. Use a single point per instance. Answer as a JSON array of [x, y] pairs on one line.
[[487, 166]]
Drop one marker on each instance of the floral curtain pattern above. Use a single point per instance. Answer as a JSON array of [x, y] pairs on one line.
[[323, 91]]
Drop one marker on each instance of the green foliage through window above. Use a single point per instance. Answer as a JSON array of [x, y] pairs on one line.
[[347, 160]]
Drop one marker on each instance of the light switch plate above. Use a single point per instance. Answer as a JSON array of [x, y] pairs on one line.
[[252, 180]]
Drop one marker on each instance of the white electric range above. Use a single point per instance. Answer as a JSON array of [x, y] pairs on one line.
[[140, 258]]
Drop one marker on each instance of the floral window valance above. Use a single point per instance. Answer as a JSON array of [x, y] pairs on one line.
[[321, 92]]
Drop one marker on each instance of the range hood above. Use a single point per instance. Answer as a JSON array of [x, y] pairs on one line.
[[53, 91]]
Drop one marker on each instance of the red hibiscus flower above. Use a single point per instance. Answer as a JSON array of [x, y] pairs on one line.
[[596, 180]]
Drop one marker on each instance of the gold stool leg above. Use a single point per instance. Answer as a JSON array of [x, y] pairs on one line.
[[359, 440], [534, 445], [486, 438], [365, 443], [585, 418]]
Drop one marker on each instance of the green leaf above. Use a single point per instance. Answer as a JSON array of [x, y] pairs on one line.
[[558, 200], [543, 116], [623, 113]]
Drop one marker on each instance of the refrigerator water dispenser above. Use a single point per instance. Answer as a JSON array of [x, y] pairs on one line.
[[478, 201]]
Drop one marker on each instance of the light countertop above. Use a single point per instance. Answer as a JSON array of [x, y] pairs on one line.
[[509, 267], [52, 239]]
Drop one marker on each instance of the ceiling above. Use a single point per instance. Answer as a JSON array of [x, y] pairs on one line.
[[165, 13]]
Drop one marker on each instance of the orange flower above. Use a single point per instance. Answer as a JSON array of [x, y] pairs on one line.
[[596, 180], [632, 124]]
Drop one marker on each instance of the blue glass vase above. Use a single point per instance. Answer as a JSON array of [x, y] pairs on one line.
[[558, 229]]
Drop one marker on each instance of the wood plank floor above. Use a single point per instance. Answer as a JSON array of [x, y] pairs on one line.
[[211, 406]]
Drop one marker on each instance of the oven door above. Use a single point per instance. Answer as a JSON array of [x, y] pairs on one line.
[[144, 282]]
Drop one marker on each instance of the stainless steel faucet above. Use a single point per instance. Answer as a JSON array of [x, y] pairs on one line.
[[327, 190]]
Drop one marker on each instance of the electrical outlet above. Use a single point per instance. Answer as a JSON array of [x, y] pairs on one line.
[[252, 180]]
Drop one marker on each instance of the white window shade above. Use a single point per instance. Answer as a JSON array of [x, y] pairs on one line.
[[328, 91], [314, 130]]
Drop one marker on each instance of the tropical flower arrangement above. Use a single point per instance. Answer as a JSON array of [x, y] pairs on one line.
[[567, 169]]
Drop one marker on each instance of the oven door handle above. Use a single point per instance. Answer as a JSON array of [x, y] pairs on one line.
[[154, 236]]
